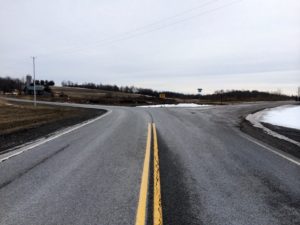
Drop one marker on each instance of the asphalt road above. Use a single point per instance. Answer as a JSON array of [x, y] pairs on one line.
[[210, 172]]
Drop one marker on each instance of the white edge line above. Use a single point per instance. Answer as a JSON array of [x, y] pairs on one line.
[[283, 155], [63, 132]]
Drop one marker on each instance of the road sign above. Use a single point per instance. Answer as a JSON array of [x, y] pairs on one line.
[[162, 95]]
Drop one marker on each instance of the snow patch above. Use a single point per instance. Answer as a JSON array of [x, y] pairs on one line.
[[285, 116], [181, 105], [261, 116]]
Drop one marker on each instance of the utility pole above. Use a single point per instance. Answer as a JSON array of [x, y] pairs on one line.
[[221, 92], [34, 91], [199, 94]]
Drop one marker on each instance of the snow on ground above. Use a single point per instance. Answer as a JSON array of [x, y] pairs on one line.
[[285, 116], [184, 105]]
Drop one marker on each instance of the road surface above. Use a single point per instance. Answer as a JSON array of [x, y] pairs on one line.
[[210, 172]]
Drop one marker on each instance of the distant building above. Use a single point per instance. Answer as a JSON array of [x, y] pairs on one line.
[[28, 79], [29, 87], [29, 90]]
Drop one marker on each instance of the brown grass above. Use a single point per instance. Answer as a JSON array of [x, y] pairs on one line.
[[15, 117], [2, 102], [74, 92]]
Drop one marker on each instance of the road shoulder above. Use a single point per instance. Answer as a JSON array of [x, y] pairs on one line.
[[270, 140]]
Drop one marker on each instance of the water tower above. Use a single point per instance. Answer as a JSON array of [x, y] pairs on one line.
[[28, 79]]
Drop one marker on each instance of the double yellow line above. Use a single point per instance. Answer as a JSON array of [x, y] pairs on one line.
[[142, 204]]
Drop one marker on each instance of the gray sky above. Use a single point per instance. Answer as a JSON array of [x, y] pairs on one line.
[[165, 45]]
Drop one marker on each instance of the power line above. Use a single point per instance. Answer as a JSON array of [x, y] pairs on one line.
[[175, 23], [107, 39], [170, 17], [127, 35]]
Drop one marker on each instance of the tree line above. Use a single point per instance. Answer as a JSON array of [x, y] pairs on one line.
[[8, 84], [115, 88], [245, 95], [44, 82], [220, 95], [126, 89]]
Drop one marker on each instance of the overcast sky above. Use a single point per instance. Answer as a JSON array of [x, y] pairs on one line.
[[177, 45]]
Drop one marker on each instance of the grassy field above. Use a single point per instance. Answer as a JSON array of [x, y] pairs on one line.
[[14, 117], [94, 96], [20, 122], [75, 92]]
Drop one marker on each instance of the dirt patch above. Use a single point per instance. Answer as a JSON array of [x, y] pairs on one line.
[[21, 123], [293, 134]]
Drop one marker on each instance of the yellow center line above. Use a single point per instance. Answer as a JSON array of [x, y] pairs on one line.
[[157, 206], [142, 204]]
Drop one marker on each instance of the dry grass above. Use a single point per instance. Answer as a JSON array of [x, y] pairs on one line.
[[74, 92], [15, 117], [21, 122], [94, 96], [2, 102]]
